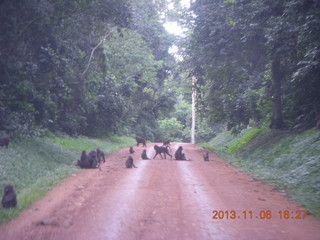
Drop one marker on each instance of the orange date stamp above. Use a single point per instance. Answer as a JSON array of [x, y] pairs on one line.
[[262, 214]]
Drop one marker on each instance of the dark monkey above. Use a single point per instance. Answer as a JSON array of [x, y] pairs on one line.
[[167, 144], [206, 156], [101, 156], [9, 198], [131, 150], [141, 140], [179, 155], [93, 158], [4, 141], [144, 155], [161, 149], [84, 161], [129, 163]]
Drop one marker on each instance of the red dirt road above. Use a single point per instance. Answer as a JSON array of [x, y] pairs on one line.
[[161, 199]]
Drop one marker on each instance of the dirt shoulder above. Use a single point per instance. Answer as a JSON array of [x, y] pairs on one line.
[[162, 199]]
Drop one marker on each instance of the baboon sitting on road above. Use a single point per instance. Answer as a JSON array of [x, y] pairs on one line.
[[206, 156], [129, 163], [144, 155], [131, 150], [179, 155]]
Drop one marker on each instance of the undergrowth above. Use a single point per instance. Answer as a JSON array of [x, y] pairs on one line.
[[35, 165], [291, 161]]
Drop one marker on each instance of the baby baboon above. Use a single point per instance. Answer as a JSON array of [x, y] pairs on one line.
[[4, 141], [129, 163], [167, 144], [131, 150], [144, 155], [161, 149], [206, 156], [9, 198], [93, 158], [179, 155], [100, 155], [141, 140]]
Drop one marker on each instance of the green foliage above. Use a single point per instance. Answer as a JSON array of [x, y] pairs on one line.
[[40, 163], [288, 160], [66, 80], [171, 129], [232, 47]]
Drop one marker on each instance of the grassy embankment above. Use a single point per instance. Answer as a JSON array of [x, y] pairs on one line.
[[35, 165], [291, 161]]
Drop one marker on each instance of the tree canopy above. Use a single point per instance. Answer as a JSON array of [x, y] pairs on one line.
[[97, 67]]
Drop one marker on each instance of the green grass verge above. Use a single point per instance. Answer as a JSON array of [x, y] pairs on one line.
[[291, 161], [35, 165]]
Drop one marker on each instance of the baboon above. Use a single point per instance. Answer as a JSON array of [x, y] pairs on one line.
[[144, 155], [141, 140], [206, 156], [179, 155], [129, 163], [131, 150], [161, 149], [167, 144], [9, 198], [100, 155], [84, 161], [4, 141], [318, 124], [93, 158]]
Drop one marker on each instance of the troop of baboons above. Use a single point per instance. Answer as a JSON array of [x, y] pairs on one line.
[[93, 159]]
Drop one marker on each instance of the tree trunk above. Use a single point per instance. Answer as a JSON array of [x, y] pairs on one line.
[[193, 111], [277, 121]]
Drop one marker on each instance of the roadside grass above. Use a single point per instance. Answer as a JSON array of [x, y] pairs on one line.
[[35, 165], [288, 160]]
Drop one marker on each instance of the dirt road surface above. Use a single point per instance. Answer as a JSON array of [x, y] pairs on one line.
[[162, 199]]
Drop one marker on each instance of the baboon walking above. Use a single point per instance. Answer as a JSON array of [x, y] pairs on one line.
[[129, 163], [161, 149], [9, 198], [141, 140]]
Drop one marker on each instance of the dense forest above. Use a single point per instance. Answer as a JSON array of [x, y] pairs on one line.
[[93, 67]]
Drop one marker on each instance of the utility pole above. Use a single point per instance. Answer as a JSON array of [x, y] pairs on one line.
[[193, 110]]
